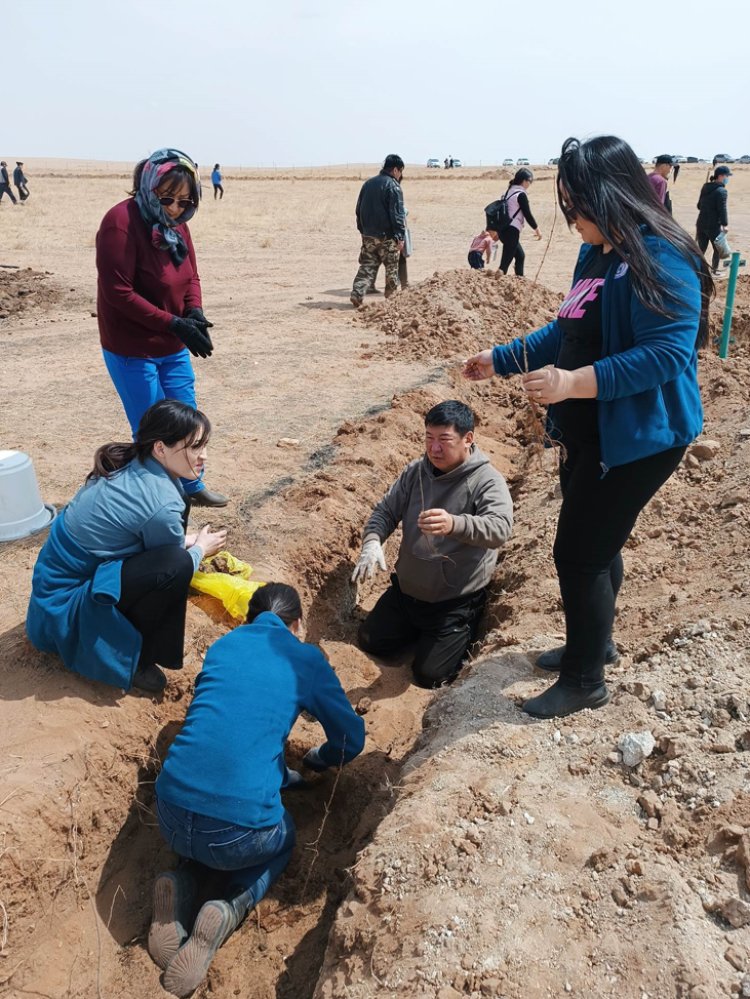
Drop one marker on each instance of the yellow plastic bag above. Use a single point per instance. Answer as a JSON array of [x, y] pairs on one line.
[[234, 588]]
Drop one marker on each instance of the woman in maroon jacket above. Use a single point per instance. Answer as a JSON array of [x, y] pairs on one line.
[[149, 293]]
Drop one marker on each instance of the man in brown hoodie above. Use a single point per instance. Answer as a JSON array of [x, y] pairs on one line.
[[455, 511]]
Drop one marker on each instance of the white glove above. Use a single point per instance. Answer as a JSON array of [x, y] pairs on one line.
[[372, 555]]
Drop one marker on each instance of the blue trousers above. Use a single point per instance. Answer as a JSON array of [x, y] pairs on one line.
[[255, 857], [142, 381]]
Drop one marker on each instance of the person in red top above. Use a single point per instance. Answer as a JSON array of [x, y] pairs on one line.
[[658, 178], [149, 304]]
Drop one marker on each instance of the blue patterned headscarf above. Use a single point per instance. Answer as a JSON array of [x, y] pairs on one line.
[[163, 234]]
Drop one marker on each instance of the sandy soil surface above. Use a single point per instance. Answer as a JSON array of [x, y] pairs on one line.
[[491, 855]]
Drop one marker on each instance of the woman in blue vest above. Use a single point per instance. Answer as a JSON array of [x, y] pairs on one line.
[[219, 793], [110, 585], [617, 370]]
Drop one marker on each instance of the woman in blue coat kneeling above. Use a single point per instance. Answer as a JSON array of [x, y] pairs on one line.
[[618, 370], [219, 792], [110, 586]]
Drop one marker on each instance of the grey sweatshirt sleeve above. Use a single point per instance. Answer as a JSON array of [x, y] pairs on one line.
[[491, 523], [387, 515]]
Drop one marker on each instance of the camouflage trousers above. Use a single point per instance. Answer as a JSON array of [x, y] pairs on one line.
[[375, 252]]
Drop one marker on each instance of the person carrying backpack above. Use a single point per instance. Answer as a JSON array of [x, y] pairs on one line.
[[508, 217]]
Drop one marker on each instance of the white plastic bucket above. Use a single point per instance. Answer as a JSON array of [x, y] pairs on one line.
[[22, 511]]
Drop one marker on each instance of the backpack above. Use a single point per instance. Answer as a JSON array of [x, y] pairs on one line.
[[498, 216]]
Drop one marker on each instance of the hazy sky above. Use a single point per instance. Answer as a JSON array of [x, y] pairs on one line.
[[252, 82]]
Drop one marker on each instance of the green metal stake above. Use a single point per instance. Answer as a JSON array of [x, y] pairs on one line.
[[729, 307]]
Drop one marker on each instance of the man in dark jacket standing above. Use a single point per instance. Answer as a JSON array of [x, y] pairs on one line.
[[712, 213], [381, 221], [19, 179], [5, 183], [455, 512]]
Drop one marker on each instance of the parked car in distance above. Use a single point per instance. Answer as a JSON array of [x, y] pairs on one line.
[[693, 159], [508, 161], [522, 161], [744, 159], [723, 158], [457, 163], [679, 159], [553, 161], [433, 164]]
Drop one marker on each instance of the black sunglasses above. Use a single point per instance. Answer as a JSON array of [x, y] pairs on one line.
[[184, 203]]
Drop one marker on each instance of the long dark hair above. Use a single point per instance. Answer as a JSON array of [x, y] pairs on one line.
[[278, 598], [170, 181], [168, 421], [521, 175], [602, 180]]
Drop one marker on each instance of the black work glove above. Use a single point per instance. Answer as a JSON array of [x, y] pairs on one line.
[[196, 314], [195, 337]]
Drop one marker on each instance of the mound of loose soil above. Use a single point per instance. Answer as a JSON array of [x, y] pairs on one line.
[[457, 312], [25, 290]]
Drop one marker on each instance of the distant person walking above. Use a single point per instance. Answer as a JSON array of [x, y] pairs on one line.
[[658, 179], [481, 249], [519, 210], [20, 181], [5, 183], [149, 304], [713, 219], [216, 181], [382, 222]]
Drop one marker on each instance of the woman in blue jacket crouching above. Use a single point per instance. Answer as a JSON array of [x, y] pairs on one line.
[[219, 792], [617, 370], [110, 586]]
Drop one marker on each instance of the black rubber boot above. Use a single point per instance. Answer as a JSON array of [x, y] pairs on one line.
[[206, 498], [558, 701], [552, 660], [149, 678]]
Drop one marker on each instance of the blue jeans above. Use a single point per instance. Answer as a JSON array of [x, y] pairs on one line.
[[256, 857], [142, 381]]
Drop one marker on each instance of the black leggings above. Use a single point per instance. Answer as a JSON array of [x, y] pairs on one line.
[[511, 240], [703, 239], [596, 517], [153, 597], [218, 189]]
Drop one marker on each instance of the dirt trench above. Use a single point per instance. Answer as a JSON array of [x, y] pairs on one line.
[[81, 852]]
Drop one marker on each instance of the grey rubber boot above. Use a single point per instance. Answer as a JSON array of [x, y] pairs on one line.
[[174, 908]]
